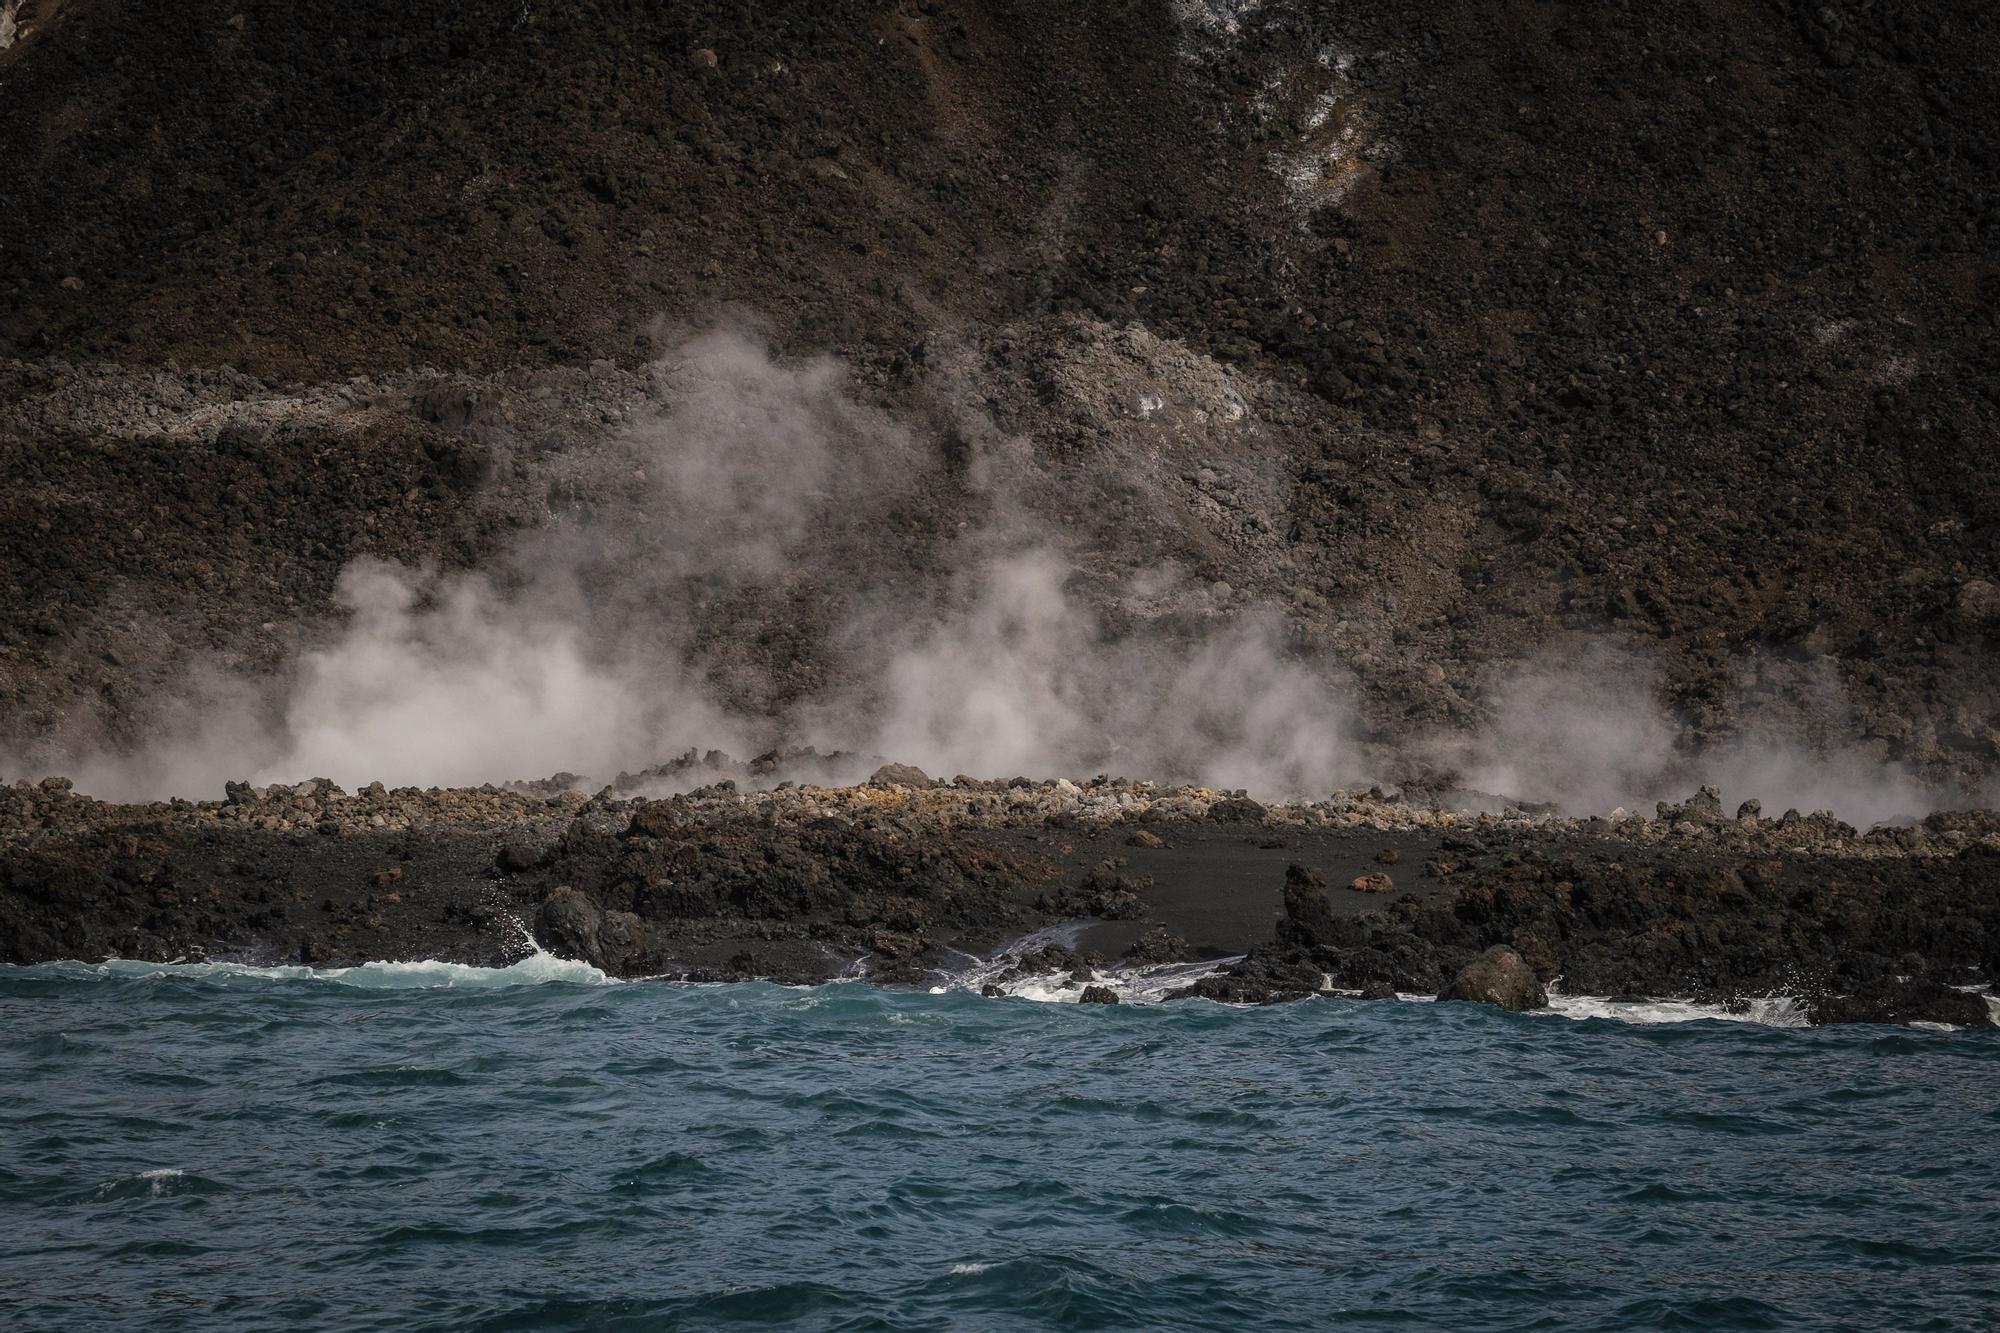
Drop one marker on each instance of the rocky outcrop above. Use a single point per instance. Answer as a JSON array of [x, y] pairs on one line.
[[570, 924], [1157, 945], [801, 882], [1308, 919], [1262, 978], [1499, 976], [1856, 941], [899, 775], [1237, 809], [1255, 351]]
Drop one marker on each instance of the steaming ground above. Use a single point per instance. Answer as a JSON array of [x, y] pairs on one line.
[[742, 554], [1262, 394]]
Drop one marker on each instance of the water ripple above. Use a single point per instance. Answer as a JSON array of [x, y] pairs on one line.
[[424, 1150]]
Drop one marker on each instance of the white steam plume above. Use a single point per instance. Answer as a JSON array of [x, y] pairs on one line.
[[757, 559], [611, 637], [1586, 731]]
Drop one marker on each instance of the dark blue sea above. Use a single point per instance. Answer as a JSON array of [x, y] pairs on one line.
[[437, 1148]]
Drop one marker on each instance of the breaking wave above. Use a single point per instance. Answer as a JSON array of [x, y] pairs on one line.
[[1153, 983], [238, 1149], [537, 969]]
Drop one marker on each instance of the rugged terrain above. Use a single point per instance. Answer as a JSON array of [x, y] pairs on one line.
[[1578, 401], [906, 881], [1451, 332]]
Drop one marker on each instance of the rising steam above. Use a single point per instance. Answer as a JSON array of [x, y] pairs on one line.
[[1586, 732], [747, 564], [608, 638]]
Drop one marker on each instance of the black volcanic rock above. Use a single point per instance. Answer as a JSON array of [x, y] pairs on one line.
[[568, 924], [1308, 919], [1891, 1000]]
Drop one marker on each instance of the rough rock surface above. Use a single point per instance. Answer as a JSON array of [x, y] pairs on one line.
[[806, 883], [1444, 332], [1498, 976]]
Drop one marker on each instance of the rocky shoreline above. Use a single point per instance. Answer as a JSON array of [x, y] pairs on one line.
[[894, 879]]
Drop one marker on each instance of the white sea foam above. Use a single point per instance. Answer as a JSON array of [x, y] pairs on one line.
[[1143, 984], [537, 968], [1776, 1011], [1984, 992], [1132, 985], [1151, 984]]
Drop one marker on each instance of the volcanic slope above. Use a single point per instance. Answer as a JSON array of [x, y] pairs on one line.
[[1448, 330]]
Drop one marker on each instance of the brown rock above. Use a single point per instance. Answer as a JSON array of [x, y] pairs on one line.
[[897, 944], [622, 939], [568, 923], [1374, 882], [1499, 976], [1237, 810], [899, 775]]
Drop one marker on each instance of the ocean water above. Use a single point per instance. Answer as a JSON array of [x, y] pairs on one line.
[[429, 1147]]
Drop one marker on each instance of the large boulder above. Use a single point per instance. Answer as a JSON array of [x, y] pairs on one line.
[[1309, 919], [569, 924], [1158, 945], [1979, 603], [1237, 810], [1109, 893], [899, 775], [623, 942], [1498, 976], [1704, 807]]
